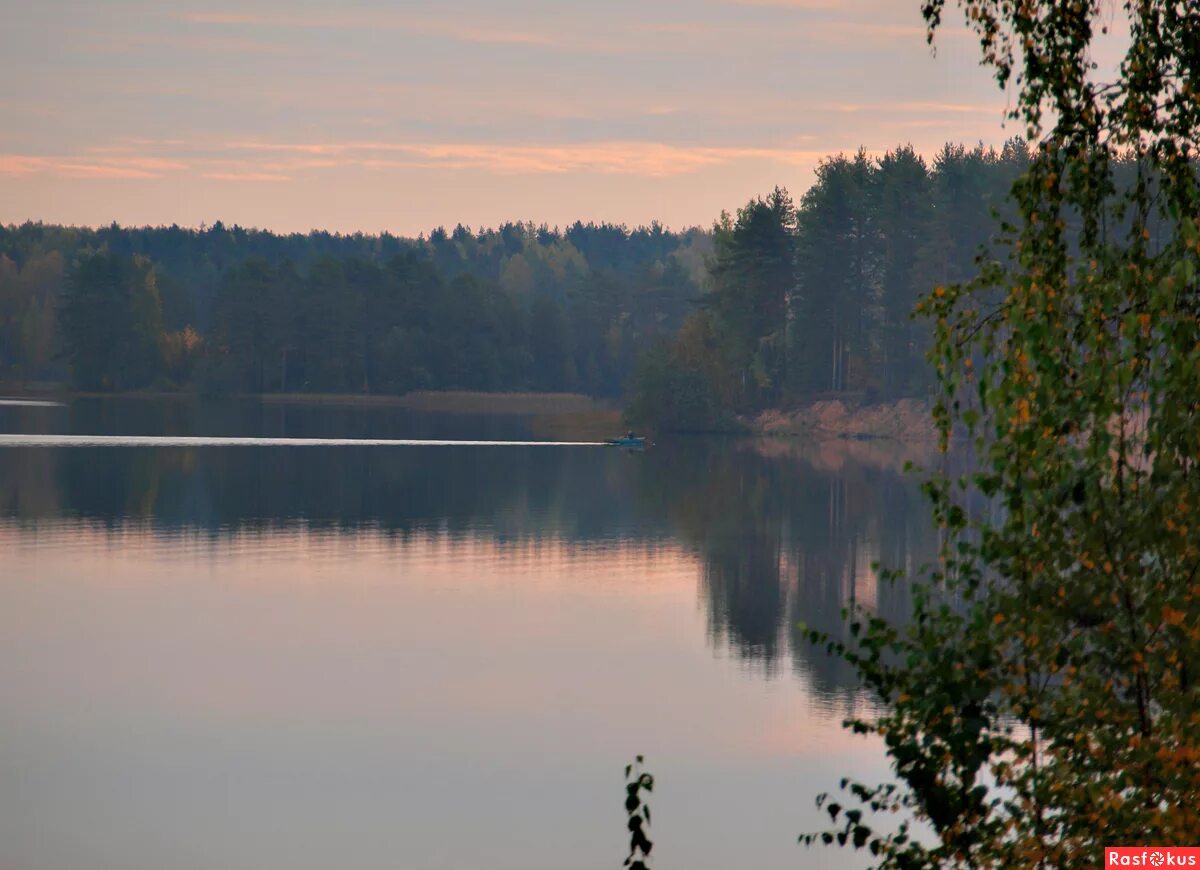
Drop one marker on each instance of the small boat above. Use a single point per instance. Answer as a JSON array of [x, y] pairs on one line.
[[629, 440]]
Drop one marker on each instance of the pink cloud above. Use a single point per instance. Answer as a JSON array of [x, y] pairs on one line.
[[652, 159], [914, 106], [209, 43], [245, 176], [82, 167], [450, 27], [16, 164], [220, 18]]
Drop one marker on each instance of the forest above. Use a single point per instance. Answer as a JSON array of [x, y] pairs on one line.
[[776, 303], [229, 310]]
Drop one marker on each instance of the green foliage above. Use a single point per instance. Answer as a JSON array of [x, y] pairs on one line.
[[519, 307], [667, 393], [636, 782], [29, 299], [837, 245], [751, 280], [819, 298], [773, 306], [111, 322], [1042, 702]]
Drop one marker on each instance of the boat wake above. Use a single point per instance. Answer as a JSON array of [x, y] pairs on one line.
[[18, 440], [31, 403]]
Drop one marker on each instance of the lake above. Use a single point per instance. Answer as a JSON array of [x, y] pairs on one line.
[[231, 655]]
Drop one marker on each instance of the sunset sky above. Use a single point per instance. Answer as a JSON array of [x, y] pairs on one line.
[[402, 116]]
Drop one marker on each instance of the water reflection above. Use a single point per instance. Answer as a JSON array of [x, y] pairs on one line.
[[308, 657], [788, 534], [240, 418], [785, 534]]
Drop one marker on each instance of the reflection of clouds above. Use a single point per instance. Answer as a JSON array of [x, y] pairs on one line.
[[813, 726], [771, 532], [251, 694], [541, 642], [437, 558]]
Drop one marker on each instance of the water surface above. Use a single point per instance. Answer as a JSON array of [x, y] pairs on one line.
[[218, 654]]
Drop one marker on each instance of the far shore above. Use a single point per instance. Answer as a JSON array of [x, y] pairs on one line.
[[450, 401], [904, 420]]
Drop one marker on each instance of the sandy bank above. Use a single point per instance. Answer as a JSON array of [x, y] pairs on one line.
[[906, 420]]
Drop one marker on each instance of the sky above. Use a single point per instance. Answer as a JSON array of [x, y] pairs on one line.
[[401, 116]]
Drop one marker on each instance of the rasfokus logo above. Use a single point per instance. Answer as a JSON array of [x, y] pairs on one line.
[[1152, 856]]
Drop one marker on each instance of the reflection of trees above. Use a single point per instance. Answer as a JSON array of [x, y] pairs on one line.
[[507, 491], [513, 493], [94, 483], [870, 514], [727, 508], [27, 484], [789, 539], [783, 536]]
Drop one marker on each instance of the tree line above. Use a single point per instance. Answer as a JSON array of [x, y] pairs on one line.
[[814, 298], [774, 305], [227, 310]]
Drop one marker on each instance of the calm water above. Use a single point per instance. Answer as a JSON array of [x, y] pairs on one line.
[[250, 656]]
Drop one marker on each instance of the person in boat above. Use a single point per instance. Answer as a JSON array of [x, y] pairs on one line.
[[629, 436]]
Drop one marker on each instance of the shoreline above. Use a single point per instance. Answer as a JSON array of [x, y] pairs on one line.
[[450, 401], [907, 421]]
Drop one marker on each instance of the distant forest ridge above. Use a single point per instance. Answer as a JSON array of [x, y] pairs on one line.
[[772, 304], [226, 309]]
